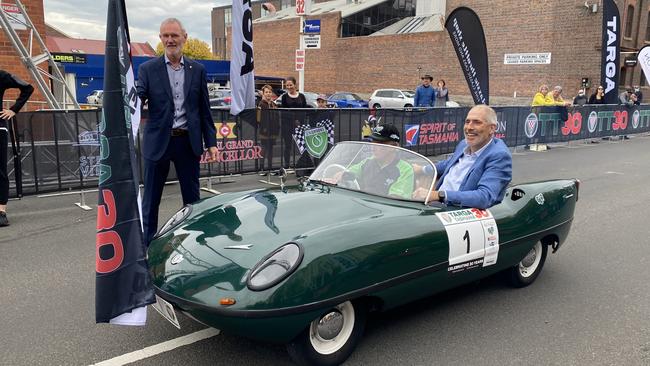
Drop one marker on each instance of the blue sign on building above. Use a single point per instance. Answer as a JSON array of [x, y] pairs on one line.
[[311, 26]]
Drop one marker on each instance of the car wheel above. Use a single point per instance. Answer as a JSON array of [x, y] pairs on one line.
[[376, 105], [526, 271], [331, 338], [408, 107]]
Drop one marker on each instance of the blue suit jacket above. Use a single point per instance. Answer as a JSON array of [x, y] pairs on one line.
[[153, 86], [486, 181]]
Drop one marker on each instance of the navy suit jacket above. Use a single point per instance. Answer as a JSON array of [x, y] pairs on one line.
[[153, 86], [486, 181]]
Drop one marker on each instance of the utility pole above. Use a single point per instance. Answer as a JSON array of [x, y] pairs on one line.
[[303, 7]]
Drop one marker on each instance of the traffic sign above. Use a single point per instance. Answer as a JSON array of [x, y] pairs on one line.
[[303, 7], [311, 26], [311, 41], [300, 60]]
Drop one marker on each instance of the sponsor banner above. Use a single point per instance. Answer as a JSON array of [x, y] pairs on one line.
[[311, 26], [242, 75], [466, 33], [69, 58], [611, 51], [123, 283]]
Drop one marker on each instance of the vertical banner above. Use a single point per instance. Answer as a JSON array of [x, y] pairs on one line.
[[643, 58], [123, 285], [468, 38], [242, 77], [611, 51]]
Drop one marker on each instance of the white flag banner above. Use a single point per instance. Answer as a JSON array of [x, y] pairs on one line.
[[644, 59], [242, 77]]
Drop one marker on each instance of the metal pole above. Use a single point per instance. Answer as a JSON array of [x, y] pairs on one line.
[[301, 73]]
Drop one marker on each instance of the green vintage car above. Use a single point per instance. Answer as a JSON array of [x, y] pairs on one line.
[[303, 265]]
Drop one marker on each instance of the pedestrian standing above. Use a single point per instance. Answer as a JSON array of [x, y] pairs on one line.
[[442, 94], [291, 99], [176, 90], [424, 94], [8, 81]]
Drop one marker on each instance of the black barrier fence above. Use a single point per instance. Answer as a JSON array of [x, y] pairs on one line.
[[59, 150]]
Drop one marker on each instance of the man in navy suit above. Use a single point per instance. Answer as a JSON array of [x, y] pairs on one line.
[[179, 123], [479, 171]]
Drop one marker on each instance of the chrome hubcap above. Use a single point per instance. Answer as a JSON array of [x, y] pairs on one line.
[[330, 325], [530, 258]]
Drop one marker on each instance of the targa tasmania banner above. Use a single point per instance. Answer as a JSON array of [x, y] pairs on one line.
[[644, 59], [123, 285], [468, 38], [611, 50], [242, 78]]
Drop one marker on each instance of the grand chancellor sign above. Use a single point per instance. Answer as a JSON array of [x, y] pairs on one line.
[[527, 58]]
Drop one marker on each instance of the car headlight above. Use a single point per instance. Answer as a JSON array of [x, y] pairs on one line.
[[275, 267], [176, 218]]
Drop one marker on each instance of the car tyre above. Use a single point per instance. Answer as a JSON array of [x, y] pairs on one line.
[[376, 105], [408, 107], [325, 344], [526, 271]]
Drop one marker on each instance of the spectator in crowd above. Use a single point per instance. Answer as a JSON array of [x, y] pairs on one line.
[[291, 99], [581, 98], [8, 81], [540, 97], [627, 98], [425, 96], [179, 124], [598, 97], [555, 97], [639, 94], [269, 127], [442, 94], [479, 171], [321, 101]]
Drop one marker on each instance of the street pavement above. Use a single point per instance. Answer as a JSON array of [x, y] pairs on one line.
[[590, 305]]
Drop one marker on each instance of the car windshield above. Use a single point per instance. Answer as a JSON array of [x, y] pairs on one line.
[[353, 96], [377, 169], [408, 93]]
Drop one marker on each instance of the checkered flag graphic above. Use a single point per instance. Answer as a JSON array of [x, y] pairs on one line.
[[329, 126], [299, 137]]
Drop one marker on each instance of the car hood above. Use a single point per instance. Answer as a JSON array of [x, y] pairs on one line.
[[225, 236]]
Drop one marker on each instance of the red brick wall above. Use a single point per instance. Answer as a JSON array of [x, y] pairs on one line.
[[10, 61], [565, 28]]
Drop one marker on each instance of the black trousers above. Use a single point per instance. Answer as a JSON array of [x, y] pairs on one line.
[[4, 178], [179, 151]]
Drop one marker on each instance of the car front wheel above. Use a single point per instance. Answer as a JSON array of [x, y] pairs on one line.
[[330, 338], [526, 271], [376, 105]]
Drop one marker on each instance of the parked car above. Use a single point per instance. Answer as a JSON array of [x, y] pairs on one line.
[[303, 265], [392, 98], [221, 98], [95, 97], [347, 100]]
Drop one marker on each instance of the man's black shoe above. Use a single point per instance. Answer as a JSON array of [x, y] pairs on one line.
[[3, 219]]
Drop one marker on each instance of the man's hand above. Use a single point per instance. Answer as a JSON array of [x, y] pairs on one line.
[[421, 193], [212, 150], [7, 114]]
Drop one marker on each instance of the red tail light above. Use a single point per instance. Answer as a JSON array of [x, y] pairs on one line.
[[227, 100]]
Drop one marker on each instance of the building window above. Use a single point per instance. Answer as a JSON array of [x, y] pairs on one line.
[[623, 78], [629, 18], [642, 80], [376, 18], [227, 16], [286, 4]]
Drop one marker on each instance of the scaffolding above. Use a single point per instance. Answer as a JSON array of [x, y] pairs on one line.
[[42, 78]]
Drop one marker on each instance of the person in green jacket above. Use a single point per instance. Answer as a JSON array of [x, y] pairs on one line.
[[385, 173]]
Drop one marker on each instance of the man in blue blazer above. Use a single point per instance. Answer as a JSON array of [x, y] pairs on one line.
[[179, 122], [479, 171]]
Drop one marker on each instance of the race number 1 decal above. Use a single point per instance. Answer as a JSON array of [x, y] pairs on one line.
[[473, 238]]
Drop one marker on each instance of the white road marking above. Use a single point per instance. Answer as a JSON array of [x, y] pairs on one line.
[[159, 348], [617, 173]]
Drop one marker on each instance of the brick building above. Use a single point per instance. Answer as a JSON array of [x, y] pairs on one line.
[[569, 30], [10, 61]]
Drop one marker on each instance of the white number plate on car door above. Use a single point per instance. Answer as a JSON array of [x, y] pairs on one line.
[[166, 310]]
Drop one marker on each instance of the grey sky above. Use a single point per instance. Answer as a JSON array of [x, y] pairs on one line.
[[87, 19]]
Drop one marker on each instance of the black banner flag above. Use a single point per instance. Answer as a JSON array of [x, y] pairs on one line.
[[123, 284], [468, 38], [611, 51]]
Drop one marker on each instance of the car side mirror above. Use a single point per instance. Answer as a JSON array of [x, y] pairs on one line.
[[401, 96]]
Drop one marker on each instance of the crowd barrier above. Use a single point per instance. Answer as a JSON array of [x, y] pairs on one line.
[[59, 150]]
